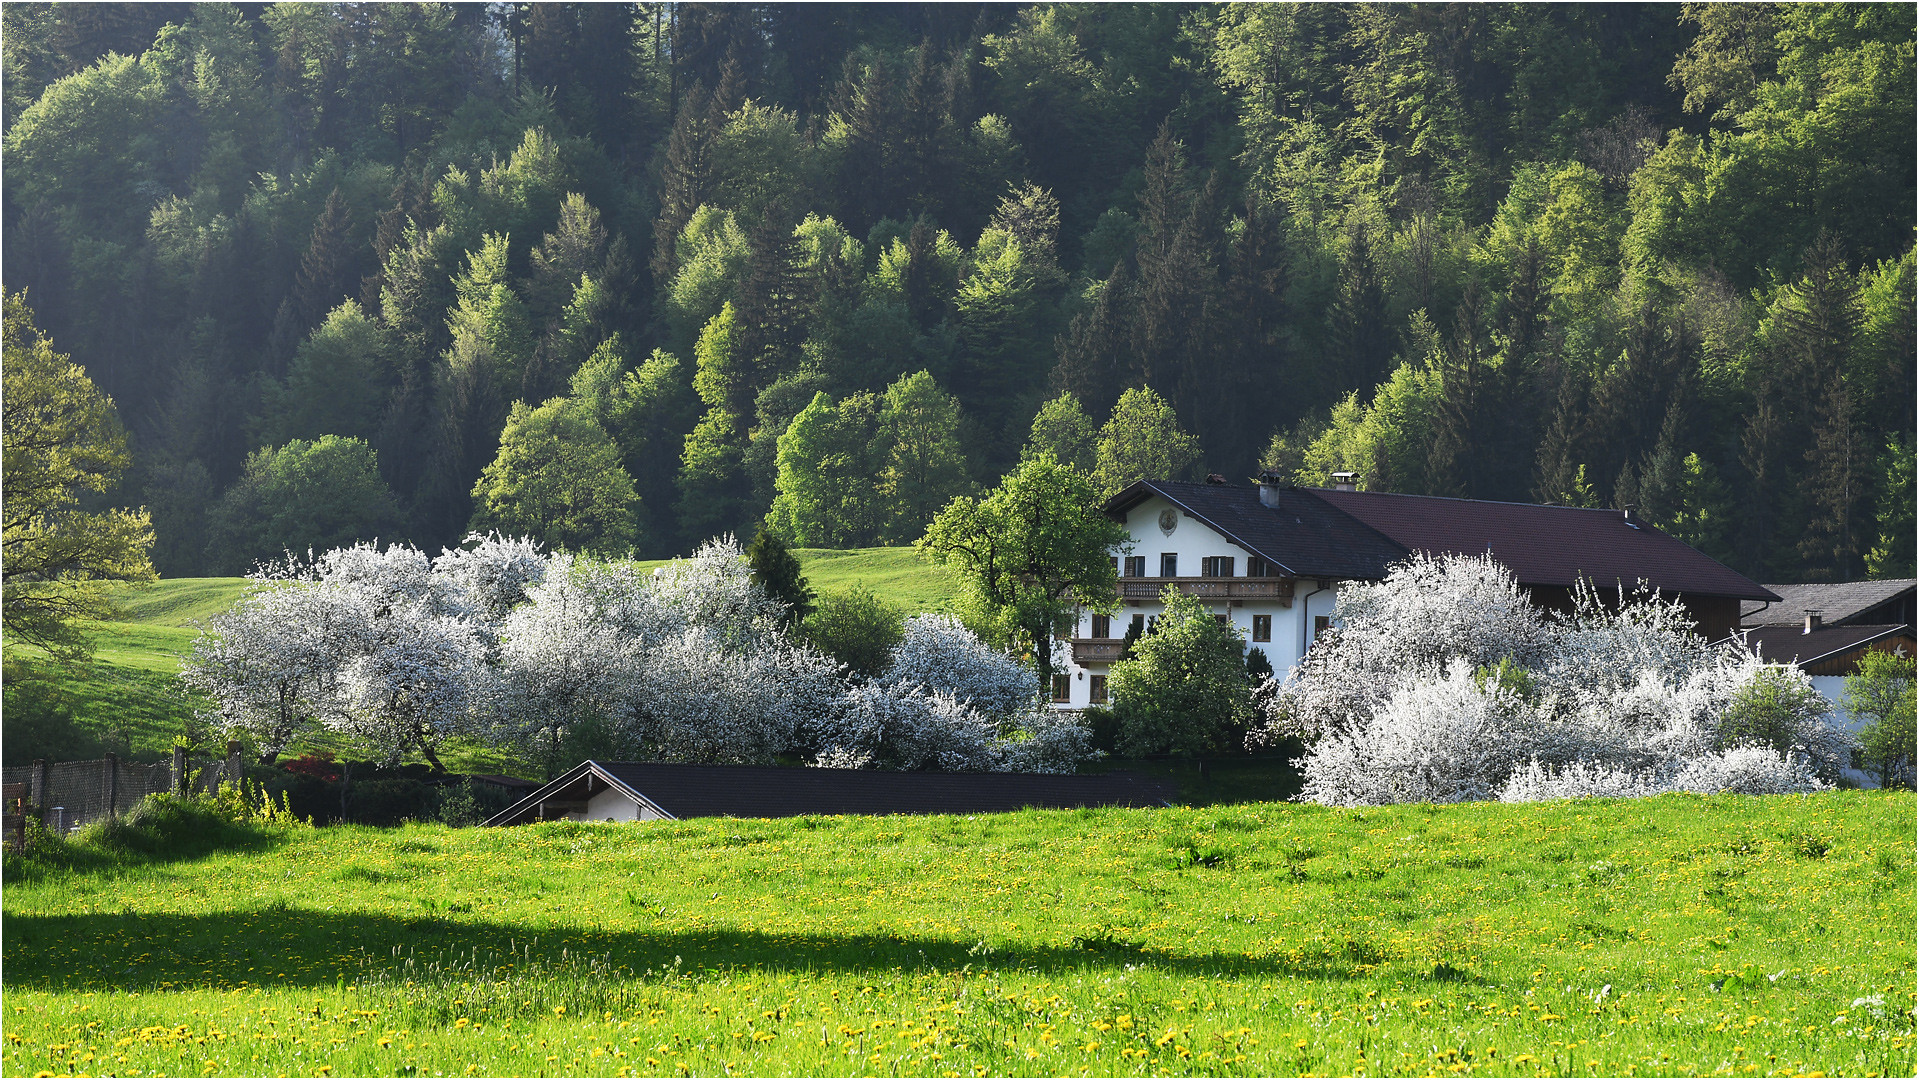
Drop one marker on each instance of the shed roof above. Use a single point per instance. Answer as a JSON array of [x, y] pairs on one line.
[[1791, 645], [1836, 602], [685, 791], [1547, 545]]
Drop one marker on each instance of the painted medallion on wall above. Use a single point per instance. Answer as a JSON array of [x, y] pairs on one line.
[[1168, 520]]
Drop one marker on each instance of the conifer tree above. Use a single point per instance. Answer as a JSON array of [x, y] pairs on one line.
[[686, 177]]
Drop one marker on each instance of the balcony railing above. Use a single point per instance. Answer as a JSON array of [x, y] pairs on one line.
[[1096, 650], [1137, 589]]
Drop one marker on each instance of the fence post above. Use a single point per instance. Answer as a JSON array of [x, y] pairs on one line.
[[233, 763], [38, 786], [177, 778], [113, 785]]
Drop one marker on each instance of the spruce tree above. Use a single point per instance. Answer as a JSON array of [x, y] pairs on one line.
[[777, 571], [327, 270], [686, 178]]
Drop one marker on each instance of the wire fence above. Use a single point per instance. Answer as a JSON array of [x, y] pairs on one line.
[[65, 795]]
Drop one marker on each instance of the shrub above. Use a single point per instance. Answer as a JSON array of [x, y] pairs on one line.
[[1184, 689], [856, 628], [1881, 695]]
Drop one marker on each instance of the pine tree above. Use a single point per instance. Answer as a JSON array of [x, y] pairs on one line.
[[327, 271], [771, 316], [777, 570], [1359, 331], [1465, 409], [1559, 466], [1096, 352], [1837, 488], [686, 178]]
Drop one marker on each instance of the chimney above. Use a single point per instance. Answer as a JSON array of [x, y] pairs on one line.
[[1345, 481], [1270, 485], [1814, 620]]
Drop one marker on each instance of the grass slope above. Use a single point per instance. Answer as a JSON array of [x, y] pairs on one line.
[[895, 574], [1726, 935]]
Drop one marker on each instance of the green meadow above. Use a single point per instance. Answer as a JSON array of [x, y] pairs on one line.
[[126, 699], [1723, 935]]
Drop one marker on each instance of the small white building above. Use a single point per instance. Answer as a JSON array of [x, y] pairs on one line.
[[1270, 559]]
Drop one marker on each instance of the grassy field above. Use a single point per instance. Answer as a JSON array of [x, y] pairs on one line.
[[1680, 935], [125, 699]]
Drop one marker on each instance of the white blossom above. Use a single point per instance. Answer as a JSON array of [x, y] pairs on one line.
[[492, 572], [1407, 701], [940, 655]]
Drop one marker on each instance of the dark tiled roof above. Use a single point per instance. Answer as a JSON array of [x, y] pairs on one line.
[[1789, 644], [1302, 534], [1546, 545], [687, 791], [1835, 602]]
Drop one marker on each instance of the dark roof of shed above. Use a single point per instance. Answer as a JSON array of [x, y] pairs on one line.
[[1547, 545], [686, 791], [1836, 601], [1302, 535], [1790, 644]]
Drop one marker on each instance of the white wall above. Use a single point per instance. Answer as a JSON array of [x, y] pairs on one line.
[[1831, 687], [613, 804]]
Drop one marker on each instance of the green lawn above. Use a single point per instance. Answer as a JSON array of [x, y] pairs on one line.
[[125, 699], [1680, 935]]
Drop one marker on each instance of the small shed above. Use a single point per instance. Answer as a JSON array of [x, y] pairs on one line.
[[646, 791]]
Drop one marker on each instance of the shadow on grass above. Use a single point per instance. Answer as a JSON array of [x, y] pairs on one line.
[[300, 947], [113, 846]]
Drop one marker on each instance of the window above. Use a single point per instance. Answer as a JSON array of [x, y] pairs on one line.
[[1137, 626], [1320, 624], [1097, 694], [1135, 566], [1262, 628], [1222, 620], [1102, 626], [1115, 565], [1169, 564], [1258, 567], [1216, 566], [1062, 688]]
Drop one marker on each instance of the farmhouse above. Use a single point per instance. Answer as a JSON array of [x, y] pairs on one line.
[[645, 791], [1270, 560]]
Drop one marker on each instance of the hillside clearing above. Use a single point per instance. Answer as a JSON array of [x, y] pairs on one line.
[[1682, 934]]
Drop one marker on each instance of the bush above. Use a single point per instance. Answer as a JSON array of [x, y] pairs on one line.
[[1184, 689], [856, 628], [1881, 695]]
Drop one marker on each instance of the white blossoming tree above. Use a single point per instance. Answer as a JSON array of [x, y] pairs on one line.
[[1442, 683]]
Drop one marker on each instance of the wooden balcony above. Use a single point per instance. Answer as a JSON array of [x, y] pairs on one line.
[[1096, 650], [1135, 590]]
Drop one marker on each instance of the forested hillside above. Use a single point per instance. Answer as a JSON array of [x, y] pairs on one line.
[[624, 276]]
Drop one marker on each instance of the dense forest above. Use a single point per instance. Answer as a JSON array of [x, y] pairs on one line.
[[625, 276]]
